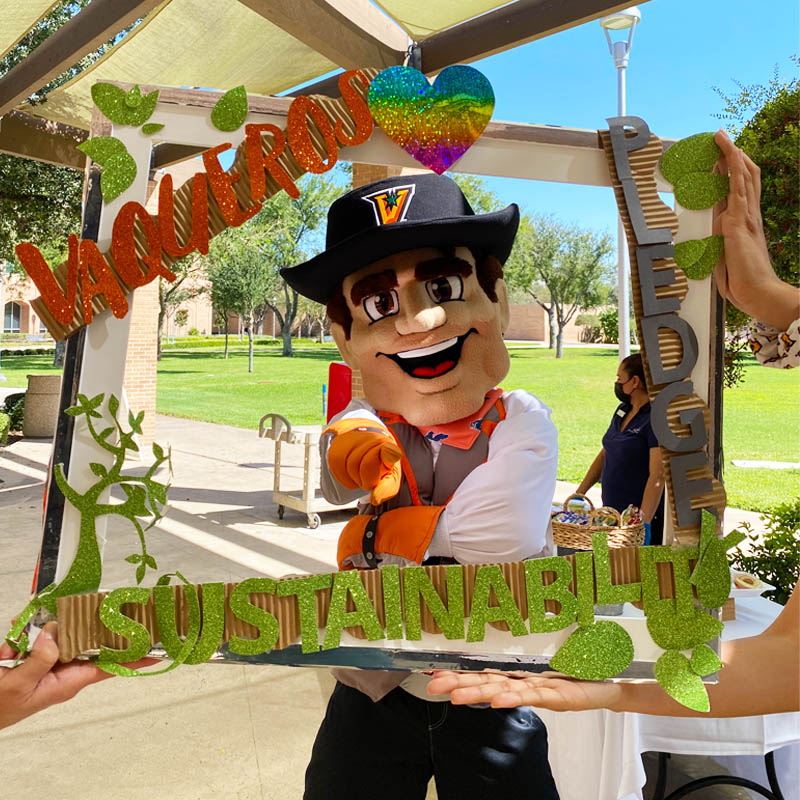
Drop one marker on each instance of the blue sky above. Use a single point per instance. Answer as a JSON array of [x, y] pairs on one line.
[[681, 49]]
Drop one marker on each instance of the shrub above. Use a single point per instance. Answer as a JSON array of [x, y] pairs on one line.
[[194, 332], [15, 408], [592, 330], [775, 556], [5, 427], [609, 324]]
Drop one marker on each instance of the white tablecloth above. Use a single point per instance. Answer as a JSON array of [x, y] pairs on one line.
[[596, 755]]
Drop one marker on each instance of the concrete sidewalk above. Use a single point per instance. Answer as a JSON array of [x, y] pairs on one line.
[[198, 732]]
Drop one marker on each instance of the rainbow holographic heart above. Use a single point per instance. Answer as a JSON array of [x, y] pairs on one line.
[[435, 124]]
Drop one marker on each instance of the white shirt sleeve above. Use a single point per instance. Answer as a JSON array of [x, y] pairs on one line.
[[501, 511], [332, 490]]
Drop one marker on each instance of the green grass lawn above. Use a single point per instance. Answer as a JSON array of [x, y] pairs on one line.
[[761, 419]]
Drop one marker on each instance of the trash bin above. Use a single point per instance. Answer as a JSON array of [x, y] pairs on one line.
[[41, 405]]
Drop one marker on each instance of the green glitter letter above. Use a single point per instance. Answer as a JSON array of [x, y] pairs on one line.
[[583, 567], [338, 617], [390, 580], [607, 592], [112, 617], [213, 623], [418, 585], [305, 589], [243, 609], [489, 578], [683, 604], [558, 591]]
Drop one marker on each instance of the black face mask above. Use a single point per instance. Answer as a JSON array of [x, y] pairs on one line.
[[623, 397]]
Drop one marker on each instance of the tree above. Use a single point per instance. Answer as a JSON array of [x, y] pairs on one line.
[[764, 120], [482, 199], [284, 232], [222, 286], [242, 276], [767, 127], [181, 317], [315, 314], [569, 262], [534, 251], [185, 287], [41, 203]]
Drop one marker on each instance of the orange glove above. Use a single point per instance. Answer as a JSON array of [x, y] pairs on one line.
[[405, 532], [366, 459]]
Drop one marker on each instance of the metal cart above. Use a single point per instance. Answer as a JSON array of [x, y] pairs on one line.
[[309, 500]]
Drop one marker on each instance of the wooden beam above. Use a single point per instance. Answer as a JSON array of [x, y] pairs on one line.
[[98, 22], [42, 140], [351, 33], [279, 107], [507, 27], [167, 154]]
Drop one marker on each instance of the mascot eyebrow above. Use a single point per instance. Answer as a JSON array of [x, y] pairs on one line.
[[372, 284], [439, 267]]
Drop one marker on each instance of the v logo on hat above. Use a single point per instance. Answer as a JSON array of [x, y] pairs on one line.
[[359, 234], [391, 205]]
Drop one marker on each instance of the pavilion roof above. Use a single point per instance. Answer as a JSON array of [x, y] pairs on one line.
[[270, 46]]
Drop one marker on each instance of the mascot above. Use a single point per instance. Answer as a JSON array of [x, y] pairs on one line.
[[449, 469]]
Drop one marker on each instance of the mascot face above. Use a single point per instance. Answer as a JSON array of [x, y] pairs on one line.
[[426, 338]]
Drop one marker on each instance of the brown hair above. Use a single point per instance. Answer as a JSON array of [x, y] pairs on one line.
[[488, 270], [634, 367]]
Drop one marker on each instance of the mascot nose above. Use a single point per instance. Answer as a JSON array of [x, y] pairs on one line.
[[420, 318]]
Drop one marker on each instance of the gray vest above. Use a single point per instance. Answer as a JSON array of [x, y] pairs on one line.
[[435, 485]]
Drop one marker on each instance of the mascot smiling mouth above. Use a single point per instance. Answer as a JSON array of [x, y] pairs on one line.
[[433, 361]]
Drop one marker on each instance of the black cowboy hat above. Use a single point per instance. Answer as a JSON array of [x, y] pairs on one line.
[[396, 214]]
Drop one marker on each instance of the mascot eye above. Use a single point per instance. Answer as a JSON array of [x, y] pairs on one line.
[[383, 304], [445, 288]]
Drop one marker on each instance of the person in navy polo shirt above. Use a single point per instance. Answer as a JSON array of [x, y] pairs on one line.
[[629, 466]]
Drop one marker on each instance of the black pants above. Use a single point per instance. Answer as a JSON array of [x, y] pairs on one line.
[[390, 750]]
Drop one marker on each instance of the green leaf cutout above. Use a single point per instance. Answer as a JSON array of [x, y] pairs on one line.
[[124, 108], [697, 190], [98, 469], [708, 530], [698, 257], [673, 671], [696, 153], [134, 558], [711, 575], [704, 660], [133, 99], [595, 652], [689, 252], [151, 127], [119, 173], [102, 148], [672, 632], [231, 109]]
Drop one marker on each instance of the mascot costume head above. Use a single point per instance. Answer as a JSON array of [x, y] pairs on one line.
[[413, 282]]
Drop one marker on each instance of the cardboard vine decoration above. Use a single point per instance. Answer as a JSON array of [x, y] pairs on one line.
[[144, 506]]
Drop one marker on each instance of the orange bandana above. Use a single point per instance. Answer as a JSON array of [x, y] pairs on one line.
[[460, 433]]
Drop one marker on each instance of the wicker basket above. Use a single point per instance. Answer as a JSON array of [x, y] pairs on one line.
[[579, 537]]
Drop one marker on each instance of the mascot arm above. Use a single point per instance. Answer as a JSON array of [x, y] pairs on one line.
[[359, 455], [501, 511]]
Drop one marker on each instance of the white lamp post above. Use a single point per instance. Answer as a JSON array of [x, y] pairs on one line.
[[625, 20]]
